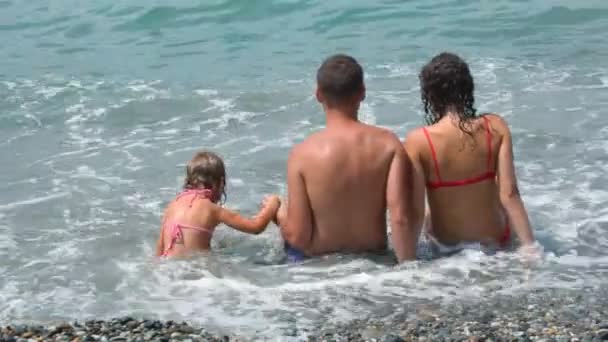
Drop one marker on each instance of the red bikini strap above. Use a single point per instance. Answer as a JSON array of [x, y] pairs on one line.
[[433, 153], [489, 139]]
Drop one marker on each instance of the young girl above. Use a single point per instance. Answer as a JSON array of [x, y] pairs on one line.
[[464, 162], [189, 221]]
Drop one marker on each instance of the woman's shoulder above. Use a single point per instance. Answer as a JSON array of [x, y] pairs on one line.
[[494, 117], [497, 122], [414, 137]]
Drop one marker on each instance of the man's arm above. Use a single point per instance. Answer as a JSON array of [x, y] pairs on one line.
[[418, 184], [400, 206], [296, 228]]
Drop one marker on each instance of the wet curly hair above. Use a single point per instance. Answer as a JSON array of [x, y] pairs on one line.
[[446, 84], [206, 170]]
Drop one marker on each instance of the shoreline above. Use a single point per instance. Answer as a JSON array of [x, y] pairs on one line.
[[540, 315]]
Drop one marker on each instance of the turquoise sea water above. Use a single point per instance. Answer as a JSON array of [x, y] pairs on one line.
[[102, 103]]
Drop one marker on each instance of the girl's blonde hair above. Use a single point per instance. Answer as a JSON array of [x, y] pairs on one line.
[[206, 170]]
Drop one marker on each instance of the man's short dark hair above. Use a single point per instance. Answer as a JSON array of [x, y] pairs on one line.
[[339, 78]]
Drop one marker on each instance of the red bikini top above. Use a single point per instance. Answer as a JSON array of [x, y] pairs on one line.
[[489, 174]]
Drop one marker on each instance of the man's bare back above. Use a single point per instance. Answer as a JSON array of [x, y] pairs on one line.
[[345, 169], [341, 181]]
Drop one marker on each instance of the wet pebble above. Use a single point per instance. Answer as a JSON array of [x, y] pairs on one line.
[[118, 339], [392, 338], [602, 334]]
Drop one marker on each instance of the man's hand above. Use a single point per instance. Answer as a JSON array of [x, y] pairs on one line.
[[281, 216]]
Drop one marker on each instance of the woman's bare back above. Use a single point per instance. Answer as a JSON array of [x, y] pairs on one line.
[[462, 191], [461, 174]]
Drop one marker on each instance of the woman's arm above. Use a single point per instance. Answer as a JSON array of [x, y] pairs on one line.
[[509, 191], [254, 225]]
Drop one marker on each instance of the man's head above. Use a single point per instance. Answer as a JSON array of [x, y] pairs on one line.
[[340, 82]]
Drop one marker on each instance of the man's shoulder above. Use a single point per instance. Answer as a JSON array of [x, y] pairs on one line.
[[302, 149], [385, 135], [310, 140]]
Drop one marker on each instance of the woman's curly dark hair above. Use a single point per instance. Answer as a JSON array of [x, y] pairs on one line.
[[446, 84]]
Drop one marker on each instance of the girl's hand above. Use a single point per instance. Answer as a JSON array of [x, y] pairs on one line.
[[271, 201]]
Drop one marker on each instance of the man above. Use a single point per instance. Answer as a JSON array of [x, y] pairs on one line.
[[341, 180]]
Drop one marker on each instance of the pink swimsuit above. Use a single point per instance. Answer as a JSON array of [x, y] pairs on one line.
[[176, 227]]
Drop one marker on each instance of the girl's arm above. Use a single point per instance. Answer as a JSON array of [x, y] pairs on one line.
[[254, 225], [509, 191]]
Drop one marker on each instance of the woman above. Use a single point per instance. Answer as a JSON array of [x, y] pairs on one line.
[[465, 163]]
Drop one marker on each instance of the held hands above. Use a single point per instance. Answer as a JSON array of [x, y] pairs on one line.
[[272, 202], [281, 216]]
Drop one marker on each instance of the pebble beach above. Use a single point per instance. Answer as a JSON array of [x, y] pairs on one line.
[[547, 315]]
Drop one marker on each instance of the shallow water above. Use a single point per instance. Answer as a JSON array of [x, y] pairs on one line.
[[102, 104]]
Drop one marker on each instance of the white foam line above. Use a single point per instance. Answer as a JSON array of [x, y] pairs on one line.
[[10, 85], [349, 280], [19, 182], [35, 200], [582, 261], [64, 154], [19, 136], [291, 105], [367, 113], [185, 149], [231, 141], [275, 143], [206, 92]]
